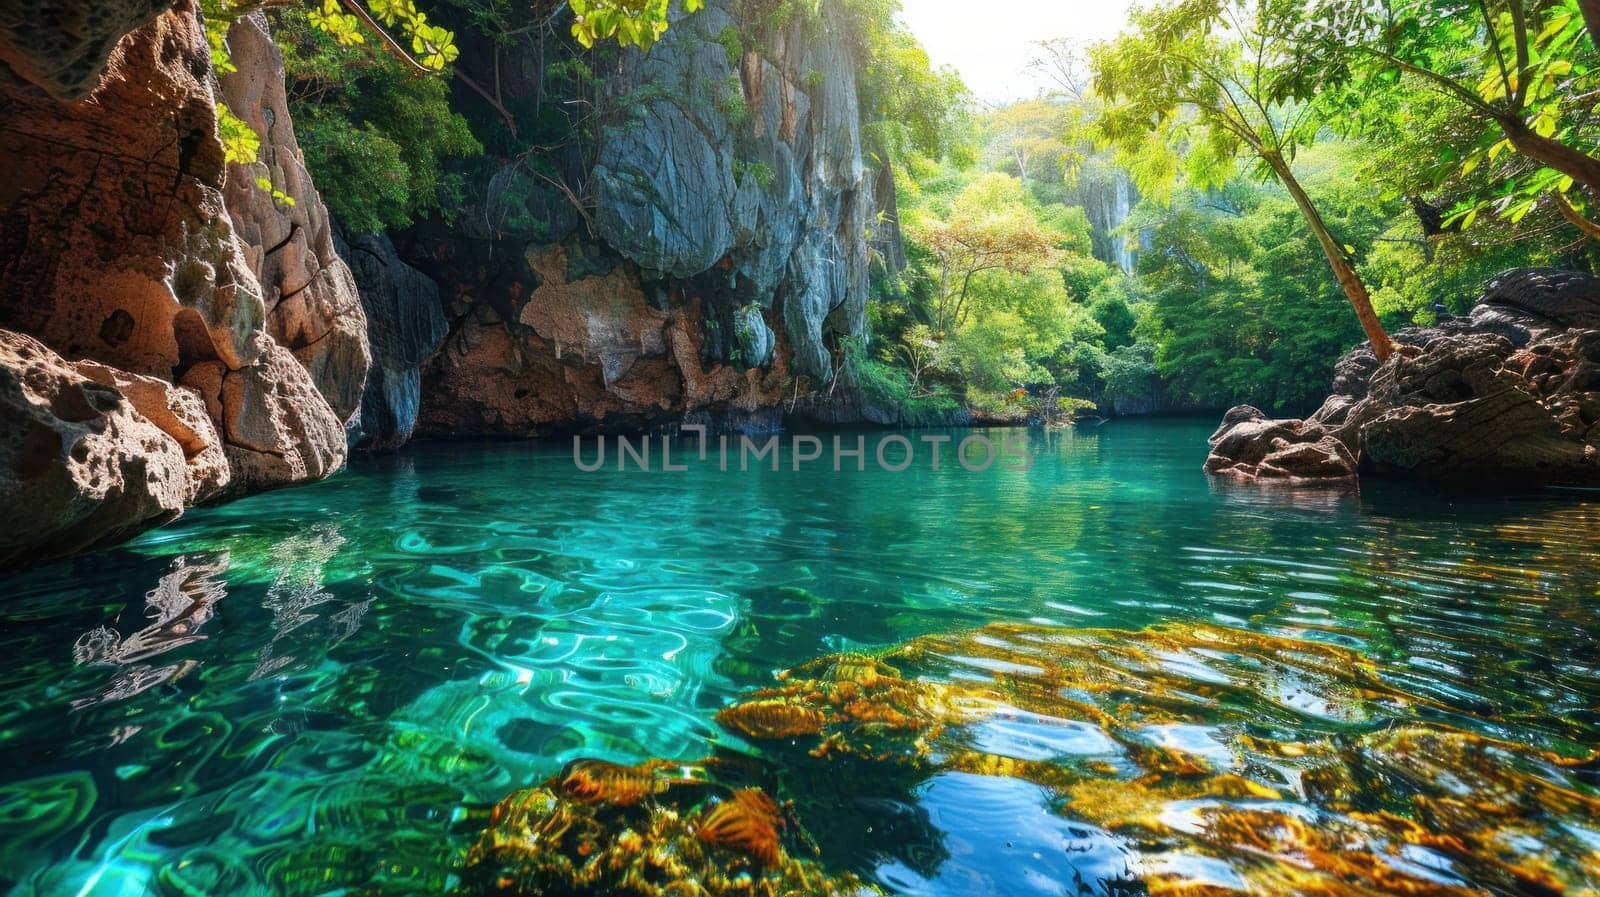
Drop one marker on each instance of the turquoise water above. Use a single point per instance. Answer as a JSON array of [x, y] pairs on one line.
[[320, 690]]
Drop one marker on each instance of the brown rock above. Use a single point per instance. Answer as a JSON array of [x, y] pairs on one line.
[[589, 352], [112, 224], [181, 414], [1560, 298], [1504, 436], [79, 466], [312, 305], [1507, 395], [1248, 440], [62, 47], [117, 251], [275, 425], [1300, 462]]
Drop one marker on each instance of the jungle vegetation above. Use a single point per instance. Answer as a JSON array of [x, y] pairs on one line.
[[1202, 212]]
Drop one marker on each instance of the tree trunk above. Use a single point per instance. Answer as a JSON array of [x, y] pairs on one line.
[[1349, 280], [1591, 17], [1576, 164]]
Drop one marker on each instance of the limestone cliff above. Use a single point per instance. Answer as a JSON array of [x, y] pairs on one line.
[[175, 329], [157, 341], [698, 264]]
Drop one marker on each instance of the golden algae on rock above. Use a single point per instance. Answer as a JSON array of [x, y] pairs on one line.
[[600, 829], [844, 704], [1233, 761], [1224, 761], [748, 821]]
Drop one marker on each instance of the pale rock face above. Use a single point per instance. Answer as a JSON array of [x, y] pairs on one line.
[[89, 455], [749, 166], [312, 305], [727, 249]]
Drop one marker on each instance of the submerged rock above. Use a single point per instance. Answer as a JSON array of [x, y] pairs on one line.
[[844, 705], [1224, 761], [1175, 760], [600, 829], [1510, 394]]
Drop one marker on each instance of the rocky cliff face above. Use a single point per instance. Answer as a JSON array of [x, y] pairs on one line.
[[717, 245], [312, 305], [1509, 395], [174, 329], [157, 335]]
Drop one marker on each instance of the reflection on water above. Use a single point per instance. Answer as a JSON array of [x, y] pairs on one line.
[[324, 690], [178, 608]]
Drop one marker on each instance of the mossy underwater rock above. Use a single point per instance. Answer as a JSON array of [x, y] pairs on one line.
[[1227, 761], [653, 830], [849, 705]]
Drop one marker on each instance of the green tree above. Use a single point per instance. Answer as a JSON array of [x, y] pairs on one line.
[[1524, 71], [1194, 86], [989, 228], [1112, 312], [376, 137]]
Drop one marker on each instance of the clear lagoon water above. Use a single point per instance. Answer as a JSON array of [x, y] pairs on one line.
[[320, 691]]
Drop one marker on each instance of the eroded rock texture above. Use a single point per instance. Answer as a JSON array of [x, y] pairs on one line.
[[62, 47], [726, 249], [586, 352], [90, 455], [1510, 395], [119, 258], [312, 306]]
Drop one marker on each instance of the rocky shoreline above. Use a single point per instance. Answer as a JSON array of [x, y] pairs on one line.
[[1508, 396], [173, 332]]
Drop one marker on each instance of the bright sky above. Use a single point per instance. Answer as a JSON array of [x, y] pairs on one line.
[[991, 41]]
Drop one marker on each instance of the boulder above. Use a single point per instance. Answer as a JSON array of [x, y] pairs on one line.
[[405, 325], [1562, 298], [275, 426], [1508, 395], [120, 259], [181, 414], [310, 297], [1507, 436], [81, 463]]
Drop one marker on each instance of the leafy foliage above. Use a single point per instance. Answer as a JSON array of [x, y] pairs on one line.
[[638, 23], [1522, 72], [375, 136], [1198, 84]]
